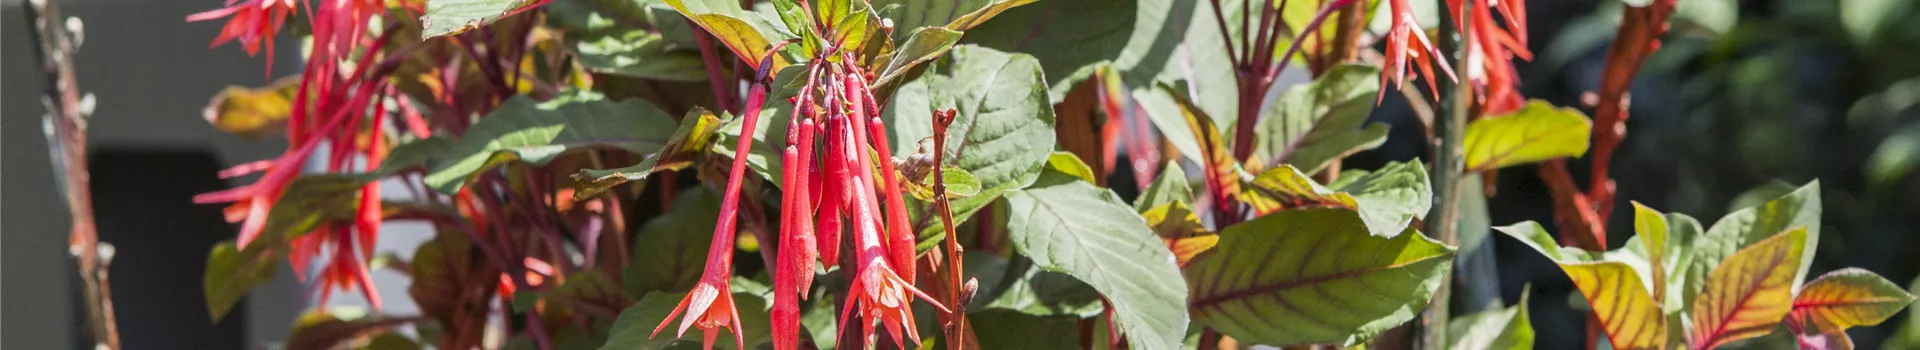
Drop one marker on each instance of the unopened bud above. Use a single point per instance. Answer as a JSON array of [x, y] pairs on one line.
[[967, 290]]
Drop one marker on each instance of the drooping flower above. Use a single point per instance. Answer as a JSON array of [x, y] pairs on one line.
[[1407, 43], [253, 22], [1492, 52]]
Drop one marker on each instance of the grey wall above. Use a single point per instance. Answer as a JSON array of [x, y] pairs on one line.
[[152, 73]]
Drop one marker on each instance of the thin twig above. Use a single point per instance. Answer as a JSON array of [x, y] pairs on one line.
[[68, 141]]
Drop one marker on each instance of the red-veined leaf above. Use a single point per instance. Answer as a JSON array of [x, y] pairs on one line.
[[1747, 295]]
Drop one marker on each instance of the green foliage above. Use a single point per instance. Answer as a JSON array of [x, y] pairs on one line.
[[1170, 187], [1087, 232], [670, 250], [522, 130], [1316, 123], [1004, 132], [634, 328], [1313, 276], [455, 16], [1509, 328], [1537, 132]]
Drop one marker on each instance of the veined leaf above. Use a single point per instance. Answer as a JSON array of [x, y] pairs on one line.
[[1072, 38], [1186, 237], [1170, 187], [1749, 292], [1028, 289], [734, 27], [694, 137], [641, 54], [924, 44], [1003, 134], [634, 328], [1535, 133], [1800, 208], [1845, 298], [457, 16], [1508, 328], [1167, 115], [671, 251], [1315, 123], [1614, 289], [1087, 232], [960, 184], [953, 15], [1285, 188], [1651, 227], [1313, 277], [1222, 172], [1070, 165], [521, 130], [1390, 197]]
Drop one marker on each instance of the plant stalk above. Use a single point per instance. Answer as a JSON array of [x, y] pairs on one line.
[[68, 140], [1449, 168]]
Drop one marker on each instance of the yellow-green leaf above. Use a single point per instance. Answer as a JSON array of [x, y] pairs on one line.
[[1313, 276], [1170, 187], [1614, 289], [1537, 132], [1067, 163], [1503, 329], [1285, 187], [1747, 295], [694, 137], [730, 24], [253, 112], [1176, 224], [1844, 299], [1216, 161], [1651, 226]]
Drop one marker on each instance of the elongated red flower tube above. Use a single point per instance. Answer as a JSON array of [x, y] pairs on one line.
[[710, 305]]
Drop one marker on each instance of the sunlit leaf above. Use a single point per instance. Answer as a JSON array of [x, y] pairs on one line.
[[1074, 37], [319, 329], [1843, 299], [1614, 289], [734, 27], [1315, 123], [924, 44], [694, 137], [1176, 224], [1208, 148], [1313, 276], [1749, 292], [522, 130], [960, 184], [1390, 197], [1028, 289], [1070, 165], [253, 112], [1800, 208], [1509, 328], [641, 54], [1087, 232], [1170, 187], [1535, 133], [1003, 133], [456, 16], [954, 15], [1285, 188]]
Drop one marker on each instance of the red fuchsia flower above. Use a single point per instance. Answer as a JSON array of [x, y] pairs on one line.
[[1493, 50], [253, 22], [710, 305], [1407, 43]]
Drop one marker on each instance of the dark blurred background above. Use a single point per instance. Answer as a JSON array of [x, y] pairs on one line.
[[1746, 99]]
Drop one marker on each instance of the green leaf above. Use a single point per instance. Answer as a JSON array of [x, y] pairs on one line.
[[1087, 232], [1535, 133], [695, 136], [1170, 187], [1000, 329], [456, 16], [769, 140], [671, 250], [960, 184], [1315, 123], [739, 30], [1070, 165], [1313, 277], [1027, 289], [1508, 328], [1390, 198], [953, 15], [521, 130], [848, 20], [1003, 134], [634, 328], [1845, 298], [1166, 115], [1180, 227], [1751, 291], [1614, 290], [232, 272], [923, 45], [1285, 188], [1074, 37], [641, 54], [1800, 208]]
